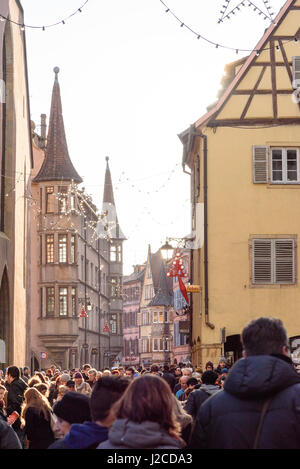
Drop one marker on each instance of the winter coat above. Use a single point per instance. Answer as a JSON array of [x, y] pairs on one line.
[[125, 434], [87, 435], [84, 388], [170, 379], [37, 429], [53, 393], [229, 419], [15, 397], [197, 397], [8, 438]]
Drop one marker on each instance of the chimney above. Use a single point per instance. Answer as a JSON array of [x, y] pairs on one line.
[[43, 127]]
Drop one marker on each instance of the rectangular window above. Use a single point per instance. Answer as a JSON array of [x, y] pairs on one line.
[[73, 301], [285, 165], [50, 199], [49, 249], [63, 301], [62, 199], [155, 345], [113, 324], [72, 202], [62, 248], [72, 253], [50, 301], [273, 261], [155, 317], [113, 253]]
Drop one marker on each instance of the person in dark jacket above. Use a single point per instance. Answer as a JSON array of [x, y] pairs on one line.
[[169, 377], [15, 395], [36, 419], [143, 418], [88, 435], [8, 437], [198, 396], [231, 418]]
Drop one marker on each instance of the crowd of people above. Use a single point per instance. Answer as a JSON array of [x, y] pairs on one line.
[[253, 404]]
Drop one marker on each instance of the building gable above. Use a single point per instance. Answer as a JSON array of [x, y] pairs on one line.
[[262, 90]]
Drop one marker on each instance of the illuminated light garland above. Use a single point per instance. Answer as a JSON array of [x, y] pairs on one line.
[[43, 28], [218, 45], [266, 15]]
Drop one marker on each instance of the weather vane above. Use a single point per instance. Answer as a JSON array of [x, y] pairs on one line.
[[228, 10]]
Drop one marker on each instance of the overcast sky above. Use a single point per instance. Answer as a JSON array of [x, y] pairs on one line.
[[131, 79]]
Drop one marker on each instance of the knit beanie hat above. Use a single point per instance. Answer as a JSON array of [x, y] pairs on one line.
[[73, 408], [78, 375], [65, 377]]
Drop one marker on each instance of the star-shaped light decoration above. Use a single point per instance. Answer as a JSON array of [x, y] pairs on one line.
[[228, 10]]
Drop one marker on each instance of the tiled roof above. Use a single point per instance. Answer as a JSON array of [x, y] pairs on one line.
[[134, 277], [163, 296], [57, 165]]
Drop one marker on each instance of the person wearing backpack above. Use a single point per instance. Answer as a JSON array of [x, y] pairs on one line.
[[198, 396], [259, 407]]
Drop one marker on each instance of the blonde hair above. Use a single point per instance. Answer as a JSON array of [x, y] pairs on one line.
[[34, 380], [62, 389], [34, 398]]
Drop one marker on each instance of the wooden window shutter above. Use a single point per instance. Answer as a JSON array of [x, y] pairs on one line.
[[260, 164], [262, 261], [284, 261], [296, 72]]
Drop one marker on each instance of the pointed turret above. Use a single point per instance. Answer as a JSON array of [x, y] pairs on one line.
[[110, 207], [57, 165], [163, 296]]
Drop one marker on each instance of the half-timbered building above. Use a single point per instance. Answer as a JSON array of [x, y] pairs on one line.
[[243, 155]]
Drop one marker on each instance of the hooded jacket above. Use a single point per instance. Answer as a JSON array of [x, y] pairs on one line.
[[229, 419], [197, 397], [86, 435], [8, 438], [125, 434]]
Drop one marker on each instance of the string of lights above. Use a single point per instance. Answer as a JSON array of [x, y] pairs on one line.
[[216, 44], [266, 15], [43, 28]]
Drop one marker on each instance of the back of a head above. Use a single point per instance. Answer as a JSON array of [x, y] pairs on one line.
[[192, 381], [147, 398], [154, 369], [264, 336], [105, 393], [13, 371], [209, 377], [74, 407]]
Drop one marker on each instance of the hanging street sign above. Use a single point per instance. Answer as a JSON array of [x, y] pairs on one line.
[[193, 288]]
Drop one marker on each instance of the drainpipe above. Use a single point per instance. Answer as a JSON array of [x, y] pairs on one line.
[[206, 299], [187, 149]]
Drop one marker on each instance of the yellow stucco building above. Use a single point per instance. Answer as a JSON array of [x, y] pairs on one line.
[[243, 156]]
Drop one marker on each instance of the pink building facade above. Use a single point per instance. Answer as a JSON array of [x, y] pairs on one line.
[[182, 316], [132, 289]]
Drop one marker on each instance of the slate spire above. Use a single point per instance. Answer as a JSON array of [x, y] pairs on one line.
[[57, 165]]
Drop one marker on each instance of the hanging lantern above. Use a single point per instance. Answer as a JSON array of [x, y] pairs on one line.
[[83, 313]]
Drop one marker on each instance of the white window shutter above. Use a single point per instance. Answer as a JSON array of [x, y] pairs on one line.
[[262, 261], [260, 164], [296, 72], [284, 264]]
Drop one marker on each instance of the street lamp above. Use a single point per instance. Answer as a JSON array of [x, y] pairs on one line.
[[167, 251]]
